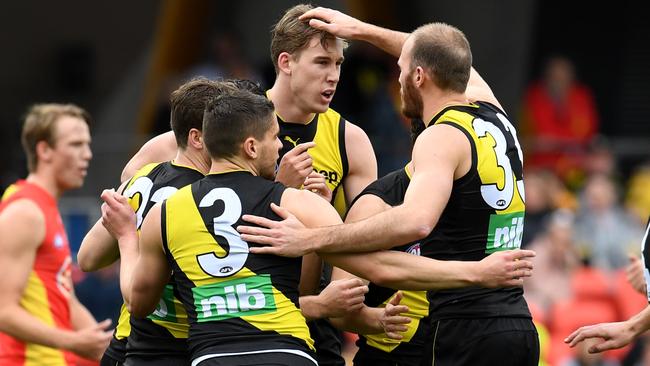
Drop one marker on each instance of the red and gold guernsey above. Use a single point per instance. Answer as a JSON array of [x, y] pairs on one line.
[[49, 286]]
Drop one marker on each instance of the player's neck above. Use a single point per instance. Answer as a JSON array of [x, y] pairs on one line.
[[46, 181], [435, 101], [285, 106], [192, 159], [231, 164]]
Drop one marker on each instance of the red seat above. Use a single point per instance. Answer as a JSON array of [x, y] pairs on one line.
[[567, 316]]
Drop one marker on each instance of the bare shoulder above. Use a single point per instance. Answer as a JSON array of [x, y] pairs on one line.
[[22, 220], [439, 133], [311, 209], [23, 211], [160, 148], [360, 153], [440, 145], [364, 207], [354, 134], [293, 198]]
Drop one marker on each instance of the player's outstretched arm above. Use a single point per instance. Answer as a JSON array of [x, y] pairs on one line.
[[437, 156], [395, 270], [612, 335], [347, 27], [160, 148]]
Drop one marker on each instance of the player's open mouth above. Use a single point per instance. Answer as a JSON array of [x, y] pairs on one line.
[[328, 94]]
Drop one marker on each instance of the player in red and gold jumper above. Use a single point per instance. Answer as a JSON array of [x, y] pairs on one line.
[[41, 320]]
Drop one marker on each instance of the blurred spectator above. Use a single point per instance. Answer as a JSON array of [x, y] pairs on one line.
[[559, 119], [555, 262], [600, 159], [539, 205], [637, 200], [545, 193], [225, 60], [605, 233]]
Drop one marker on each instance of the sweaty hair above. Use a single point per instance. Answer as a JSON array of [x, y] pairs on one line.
[[292, 35], [444, 52], [40, 125], [231, 118], [188, 103]]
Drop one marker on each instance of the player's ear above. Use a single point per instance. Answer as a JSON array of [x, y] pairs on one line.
[[251, 148], [44, 151], [418, 76], [195, 139], [284, 63]]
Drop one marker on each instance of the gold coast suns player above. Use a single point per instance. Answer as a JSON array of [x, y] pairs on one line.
[[161, 337], [41, 320]]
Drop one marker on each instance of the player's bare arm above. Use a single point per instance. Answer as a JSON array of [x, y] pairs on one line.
[[391, 269], [98, 248], [441, 154], [612, 335], [151, 271], [26, 225], [160, 148], [119, 220], [347, 27], [361, 161]]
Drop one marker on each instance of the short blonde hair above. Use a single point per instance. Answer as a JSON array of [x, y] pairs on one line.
[[40, 125]]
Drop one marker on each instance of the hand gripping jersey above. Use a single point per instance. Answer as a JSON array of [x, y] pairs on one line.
[[236, 302], [164, 332], [329, 156], [377, 349], [485, 212], [49, 286]]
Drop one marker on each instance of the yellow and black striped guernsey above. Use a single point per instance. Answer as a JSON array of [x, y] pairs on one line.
[[329, 156], [236, 302], [484, 214], [377, 349], [164, 332]]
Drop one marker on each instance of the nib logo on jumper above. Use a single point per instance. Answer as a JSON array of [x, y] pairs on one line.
[[234, 299], [505, 232]]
